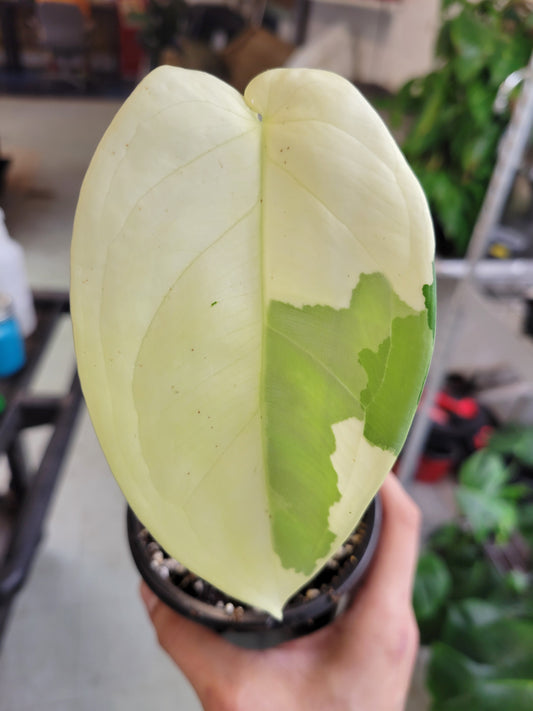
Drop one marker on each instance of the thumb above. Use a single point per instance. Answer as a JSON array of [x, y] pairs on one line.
[[204, 657]]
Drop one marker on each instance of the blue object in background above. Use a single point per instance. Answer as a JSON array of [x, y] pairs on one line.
[[12, 350]]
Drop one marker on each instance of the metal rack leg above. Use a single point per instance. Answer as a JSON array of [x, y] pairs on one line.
[[18, 467]]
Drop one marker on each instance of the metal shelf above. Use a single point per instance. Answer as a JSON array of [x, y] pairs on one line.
[[512, 277], [24, 507]]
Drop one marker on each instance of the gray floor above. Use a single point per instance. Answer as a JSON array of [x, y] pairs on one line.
[[78, 638]]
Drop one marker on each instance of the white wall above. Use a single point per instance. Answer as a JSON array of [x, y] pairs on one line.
[[389, 45]]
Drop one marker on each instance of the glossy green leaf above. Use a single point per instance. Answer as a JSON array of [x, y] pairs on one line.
[[451, 673], [516, 441], [425, 131], [450, 201], [468, 614], [525, 523], [252, 299], [516, 582], [472, 42], [471, 572], [526, 517], [485, 513], [483, 642], [515, 492], [512, 53], [489, 635], [475, 579], [478, 149], [450, 537], [432, 586], [483, 496], [492, 696], [485, 471], [479, 102]]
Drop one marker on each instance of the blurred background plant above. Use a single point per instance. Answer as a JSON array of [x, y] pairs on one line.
[[161, 26], [188, 35], [472, 596], [452, 136]]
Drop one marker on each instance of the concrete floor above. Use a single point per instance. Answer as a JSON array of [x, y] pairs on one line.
[[77, 638]]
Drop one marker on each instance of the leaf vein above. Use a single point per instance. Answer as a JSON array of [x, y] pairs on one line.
[[345, 133], [180, 168], [330, 211], [317, 360], [222, 453], [189, 266]]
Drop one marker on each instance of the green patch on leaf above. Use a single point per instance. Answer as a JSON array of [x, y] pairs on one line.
[[395, 386], [430, 298], [312, 380]]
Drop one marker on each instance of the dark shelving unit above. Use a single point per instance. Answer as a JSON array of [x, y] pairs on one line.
[[24, 506]]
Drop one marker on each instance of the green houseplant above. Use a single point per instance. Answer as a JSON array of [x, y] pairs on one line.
[[478, 618], [253, 308], [452, 139], [161, 26]]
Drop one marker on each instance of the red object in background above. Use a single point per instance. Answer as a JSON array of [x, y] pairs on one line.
[[431, 467], [434, 468], [465, 407], [131, 52], [481, 438], [460, 426]]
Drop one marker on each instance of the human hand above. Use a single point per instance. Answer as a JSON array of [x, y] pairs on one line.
[[362, 661]]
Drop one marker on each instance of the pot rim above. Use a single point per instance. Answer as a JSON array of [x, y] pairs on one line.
[[252, 619]]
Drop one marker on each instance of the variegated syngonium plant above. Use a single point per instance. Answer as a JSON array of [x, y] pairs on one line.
[[253, 305]]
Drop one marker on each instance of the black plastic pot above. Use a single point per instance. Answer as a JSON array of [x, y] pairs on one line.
[[322, 600]]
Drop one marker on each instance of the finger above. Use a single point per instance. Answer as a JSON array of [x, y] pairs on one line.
[[389, 582], [381, 622], [396, 558], [203, 656]]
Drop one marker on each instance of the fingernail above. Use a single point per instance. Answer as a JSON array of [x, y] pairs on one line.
[[149, 598]]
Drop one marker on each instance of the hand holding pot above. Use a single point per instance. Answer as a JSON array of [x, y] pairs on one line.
[[363, 660]]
